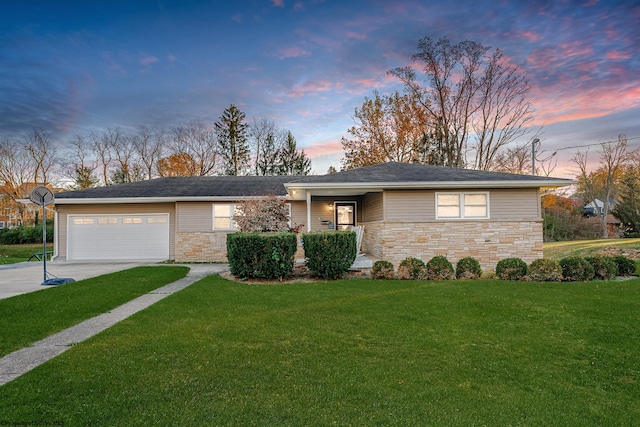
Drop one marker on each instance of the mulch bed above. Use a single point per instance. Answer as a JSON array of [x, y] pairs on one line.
[[301, 274]]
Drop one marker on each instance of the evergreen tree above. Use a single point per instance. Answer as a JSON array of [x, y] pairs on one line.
[[232, 132], [292, 162], [84, 178], [628, 208]]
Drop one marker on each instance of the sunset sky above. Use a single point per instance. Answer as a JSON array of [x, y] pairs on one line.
[[79, 66]]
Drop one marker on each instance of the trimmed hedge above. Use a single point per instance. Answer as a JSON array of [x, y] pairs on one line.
[[412, 269], [545, 270], [626, 266], [329, 254], [439, 268], [511, 269], [382, 270], [23, 235], [261, 255], [468, 268], [604, 267], [576, 269]]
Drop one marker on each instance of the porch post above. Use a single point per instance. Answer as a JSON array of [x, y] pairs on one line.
[[308, 211]]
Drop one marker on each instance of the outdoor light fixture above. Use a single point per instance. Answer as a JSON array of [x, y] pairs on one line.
[[331, 206]]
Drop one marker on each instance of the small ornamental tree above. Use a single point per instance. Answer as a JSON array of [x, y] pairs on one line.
[[263, 215]]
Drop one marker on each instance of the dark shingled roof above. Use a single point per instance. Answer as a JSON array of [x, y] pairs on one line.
[[394, 172], [201, 186], [239, 186]]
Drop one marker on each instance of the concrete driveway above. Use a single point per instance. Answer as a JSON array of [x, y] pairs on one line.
[[16, 279]]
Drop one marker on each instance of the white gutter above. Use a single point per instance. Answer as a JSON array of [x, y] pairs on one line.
[[430, 184]]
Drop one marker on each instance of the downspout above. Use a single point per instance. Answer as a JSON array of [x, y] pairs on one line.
[[308, 211]]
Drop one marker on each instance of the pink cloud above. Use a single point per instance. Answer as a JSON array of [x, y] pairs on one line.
[[617, 55], [314, 87], [292, 52], [323, 148], [171, 58], [357, 36], [148, 59], [277, 3]]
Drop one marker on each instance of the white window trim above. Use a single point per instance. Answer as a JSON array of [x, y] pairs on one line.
[[213, 216], [461, 195]]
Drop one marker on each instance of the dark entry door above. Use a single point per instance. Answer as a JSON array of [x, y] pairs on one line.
[[345, 215]]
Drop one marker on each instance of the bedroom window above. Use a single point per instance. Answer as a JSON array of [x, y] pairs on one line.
[[223, 217], [462, 205]]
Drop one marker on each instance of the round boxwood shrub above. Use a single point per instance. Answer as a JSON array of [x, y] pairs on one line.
[[545, 270], [382, 270], [626, 266], [468, 268], [576, 269], [329, 254], [412, 269], [604, 267], [439, 268], [511, 269], [261, 255]]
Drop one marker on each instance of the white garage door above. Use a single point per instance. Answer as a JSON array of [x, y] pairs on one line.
[[118, 237]]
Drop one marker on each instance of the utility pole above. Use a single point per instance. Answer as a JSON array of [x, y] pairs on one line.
[[533, 156]]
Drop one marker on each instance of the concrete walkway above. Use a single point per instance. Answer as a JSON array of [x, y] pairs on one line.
[[22, 361]]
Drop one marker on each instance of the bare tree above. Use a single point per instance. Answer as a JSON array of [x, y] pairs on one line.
[[265, 140], [80, 166], [199, 142], [102, 151], [602, 183], [467, 92], [149, 146], [43, 153], [16, 172]]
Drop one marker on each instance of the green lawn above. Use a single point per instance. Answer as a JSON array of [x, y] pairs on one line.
[[356, 352], [11, 254], [30, 317], [558, 250]]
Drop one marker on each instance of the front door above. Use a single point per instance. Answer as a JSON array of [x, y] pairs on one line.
[[345, 215]]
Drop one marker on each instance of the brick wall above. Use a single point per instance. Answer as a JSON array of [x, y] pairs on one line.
[[486, 241]]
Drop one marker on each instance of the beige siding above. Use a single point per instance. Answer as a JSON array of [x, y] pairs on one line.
[[514, 204], [409, 205], [504, 204], [194, 216], [372, 207], [120, 209], [299, 214]]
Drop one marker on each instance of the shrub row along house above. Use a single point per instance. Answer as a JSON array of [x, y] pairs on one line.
[[407, 210]]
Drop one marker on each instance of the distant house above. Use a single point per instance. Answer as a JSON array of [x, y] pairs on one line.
[[596, 208], [406, 210]]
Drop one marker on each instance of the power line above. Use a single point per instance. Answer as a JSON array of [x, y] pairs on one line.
[[594, 144]]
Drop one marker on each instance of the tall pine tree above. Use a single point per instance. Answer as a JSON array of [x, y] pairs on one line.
[[292, 162], [232, 132]]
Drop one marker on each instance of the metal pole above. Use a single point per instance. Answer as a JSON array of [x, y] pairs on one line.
[[533, 156], [44, 240]]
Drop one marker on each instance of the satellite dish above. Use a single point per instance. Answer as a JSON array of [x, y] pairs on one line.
[[42, 196]]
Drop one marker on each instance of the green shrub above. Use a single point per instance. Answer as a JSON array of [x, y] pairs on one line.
[[412, 269], [261, 255], [382, 270], [626, 266], [576, 269], [468, 268], [545, 270], [511, 269], [23, 235], [439, 268], [604, 267], [329, 254]]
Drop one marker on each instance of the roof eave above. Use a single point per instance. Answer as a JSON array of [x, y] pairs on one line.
[[147, 200], [549, 183]]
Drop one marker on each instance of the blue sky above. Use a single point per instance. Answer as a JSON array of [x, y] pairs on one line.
[[78, 66]]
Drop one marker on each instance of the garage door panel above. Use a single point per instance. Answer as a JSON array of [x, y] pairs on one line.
[[111, 237]]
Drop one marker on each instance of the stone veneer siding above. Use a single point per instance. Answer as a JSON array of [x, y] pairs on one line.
[[201, 246], [486, 241], [208, 246]]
